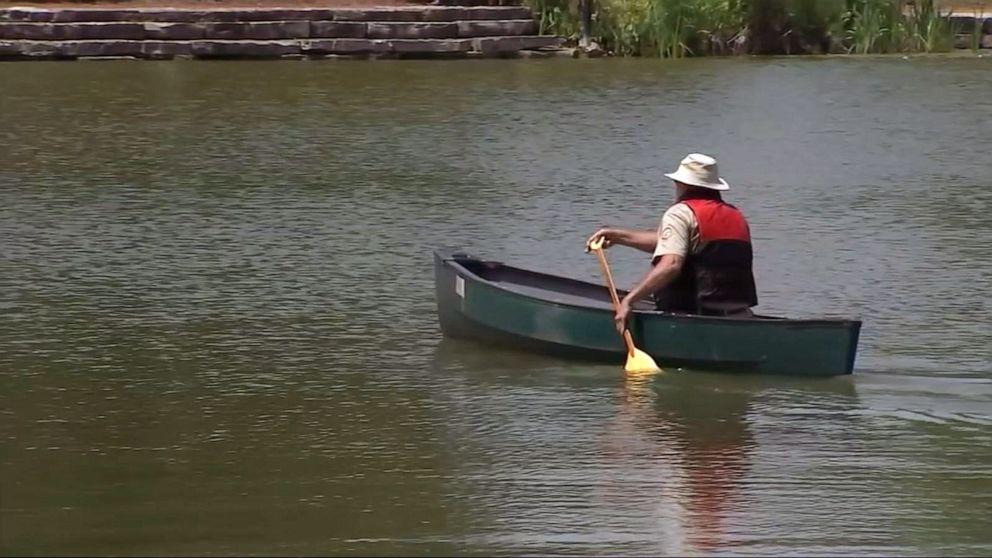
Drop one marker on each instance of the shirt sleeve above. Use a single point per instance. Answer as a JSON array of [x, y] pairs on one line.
[[675, 231]]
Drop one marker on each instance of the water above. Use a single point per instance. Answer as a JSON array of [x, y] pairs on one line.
[[219, 333]]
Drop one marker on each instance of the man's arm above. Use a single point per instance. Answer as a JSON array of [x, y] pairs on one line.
[[646, 241], [659, 277]]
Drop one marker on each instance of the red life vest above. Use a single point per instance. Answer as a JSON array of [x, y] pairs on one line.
[[718, 278]]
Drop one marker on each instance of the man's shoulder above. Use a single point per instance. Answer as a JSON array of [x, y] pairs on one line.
[[680, 210]]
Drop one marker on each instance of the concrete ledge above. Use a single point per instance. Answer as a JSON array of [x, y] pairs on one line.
[[166, 50], [28, 49], [243, 49], [207, 49], [378, 30], [266, 31], [32, 31], [67, 32], [433, 14], [174, 31], [339, 29], [504, 45], [343, 46], [429, 46], [497, 28]]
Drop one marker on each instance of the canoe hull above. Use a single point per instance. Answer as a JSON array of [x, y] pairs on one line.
[[559, 321]]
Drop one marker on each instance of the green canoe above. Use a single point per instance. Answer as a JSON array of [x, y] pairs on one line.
[[493, 302]]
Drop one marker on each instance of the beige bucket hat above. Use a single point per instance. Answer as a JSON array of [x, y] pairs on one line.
[[699, 170]]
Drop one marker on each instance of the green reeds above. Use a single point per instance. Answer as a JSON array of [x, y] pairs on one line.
[[975, 37], [927, 30], [680, 28]]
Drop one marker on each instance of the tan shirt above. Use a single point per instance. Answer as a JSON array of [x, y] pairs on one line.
[[678, 232]]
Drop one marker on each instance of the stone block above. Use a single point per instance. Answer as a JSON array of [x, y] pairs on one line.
[[31, 31], [266, 31], [504, 45], [70, 49], [496, 12], [168, 16], [166, 50], [115, 48], [379, 14], [94, 15], [174, 31], [431, 14], [278, 14], [339, 29], [72, 31], [497, 28], [552, 53], [104, 31], [465, 2], [243, 49], [10, 49], [343, 46], [378, 30], [429, 46], [26, 14], [29, 49]]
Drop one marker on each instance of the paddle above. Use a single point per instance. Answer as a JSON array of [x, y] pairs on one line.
[[637, 360]]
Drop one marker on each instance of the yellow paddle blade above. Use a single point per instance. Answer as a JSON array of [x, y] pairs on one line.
[[640, 362]]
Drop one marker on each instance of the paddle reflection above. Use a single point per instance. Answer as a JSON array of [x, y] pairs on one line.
[[695, 439]]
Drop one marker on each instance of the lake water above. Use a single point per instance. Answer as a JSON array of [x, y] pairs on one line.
[[219, 338]]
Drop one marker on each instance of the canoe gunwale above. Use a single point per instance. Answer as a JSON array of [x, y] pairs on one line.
[[455, 258]]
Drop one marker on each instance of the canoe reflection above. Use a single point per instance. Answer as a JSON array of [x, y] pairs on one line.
[[661, 463]]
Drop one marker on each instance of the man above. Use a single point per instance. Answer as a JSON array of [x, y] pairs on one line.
[[701, 252]]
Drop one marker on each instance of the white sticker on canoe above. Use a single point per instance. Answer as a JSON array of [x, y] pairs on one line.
[[459, 286]]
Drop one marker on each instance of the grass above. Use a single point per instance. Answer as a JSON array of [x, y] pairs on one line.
[[975, 38], [681, 28]]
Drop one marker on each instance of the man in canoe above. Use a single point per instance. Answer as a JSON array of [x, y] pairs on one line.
[[700, 254]]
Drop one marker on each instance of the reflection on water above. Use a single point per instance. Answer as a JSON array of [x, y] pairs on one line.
[[704, 463], [708, 444], [219, 332]]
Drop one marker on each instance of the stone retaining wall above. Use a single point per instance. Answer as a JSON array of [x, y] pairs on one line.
[[407, 14], [264, 30], [400, 48], [426, 31]]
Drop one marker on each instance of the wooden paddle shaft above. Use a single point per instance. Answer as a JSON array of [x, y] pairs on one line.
[[616, 299]]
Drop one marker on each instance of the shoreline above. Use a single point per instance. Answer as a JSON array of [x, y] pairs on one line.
[[307, 29]]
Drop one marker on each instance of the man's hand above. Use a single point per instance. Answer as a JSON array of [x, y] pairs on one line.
[[642, 240], [608, 236], [623, 312]]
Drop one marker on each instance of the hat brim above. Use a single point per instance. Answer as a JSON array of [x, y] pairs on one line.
[[693, 181]]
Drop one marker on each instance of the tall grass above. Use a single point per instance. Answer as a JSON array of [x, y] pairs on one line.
[[680, 28]]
